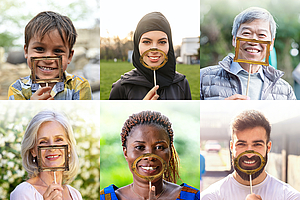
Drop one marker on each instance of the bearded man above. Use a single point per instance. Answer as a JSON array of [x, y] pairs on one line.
[[250, 131]]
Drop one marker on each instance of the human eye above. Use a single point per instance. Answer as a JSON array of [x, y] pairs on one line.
[[39, 49], [257, 144], [59, 139], [42, 142], [139, 147], [57, 51], [160, 147], [163, 42], [240, 144]]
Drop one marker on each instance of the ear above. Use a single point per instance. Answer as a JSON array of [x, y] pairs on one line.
[[231, 145], [233, 41], [25, 51], [269, 146], [70, 56], [272, 44], [32, 151], [125, 152]]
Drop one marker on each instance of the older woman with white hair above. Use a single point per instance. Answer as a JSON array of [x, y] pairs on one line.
[[48, 128]]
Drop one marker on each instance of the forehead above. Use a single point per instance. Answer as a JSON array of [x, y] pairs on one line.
[[154, 35], [257, 24], [51, 128], [148, 133], [250, 134], [52, 36]]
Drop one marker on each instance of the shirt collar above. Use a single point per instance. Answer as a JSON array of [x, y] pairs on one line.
[[235, 68]]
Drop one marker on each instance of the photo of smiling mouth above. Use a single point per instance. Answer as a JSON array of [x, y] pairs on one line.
[[149, 168], [52, 156], [47, 68], [252, 50]]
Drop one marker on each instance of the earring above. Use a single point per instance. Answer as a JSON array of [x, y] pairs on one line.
[[69, 155], [33, 160]]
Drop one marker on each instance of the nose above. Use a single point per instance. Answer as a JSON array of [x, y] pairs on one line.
[[150, 159]]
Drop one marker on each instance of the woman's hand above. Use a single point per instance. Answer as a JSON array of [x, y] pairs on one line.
[[151, 95], [42, 94], [253, 197], [53, 192], [152, 193]]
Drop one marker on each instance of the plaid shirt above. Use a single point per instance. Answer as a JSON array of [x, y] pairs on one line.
[[73, 88]]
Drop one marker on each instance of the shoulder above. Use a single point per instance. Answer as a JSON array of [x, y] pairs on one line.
[[109, 193], [283, 188], [189, 192], [74, 193], [25, 191], [214, 191]]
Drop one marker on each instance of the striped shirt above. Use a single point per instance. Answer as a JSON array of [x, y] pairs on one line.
[[73, 88]]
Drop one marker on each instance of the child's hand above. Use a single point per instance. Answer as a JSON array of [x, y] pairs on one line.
[[151, 95], [42, 94]]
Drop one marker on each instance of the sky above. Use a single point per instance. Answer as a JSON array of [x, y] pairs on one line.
[[120, 17]]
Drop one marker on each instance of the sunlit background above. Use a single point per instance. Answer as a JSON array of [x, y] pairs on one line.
[[84, 118], [14, 16], [284, 158], [216, 40], [184, 117]]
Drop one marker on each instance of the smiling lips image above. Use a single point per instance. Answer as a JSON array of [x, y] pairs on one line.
[[249, 163], [53, 159], [148, 169]]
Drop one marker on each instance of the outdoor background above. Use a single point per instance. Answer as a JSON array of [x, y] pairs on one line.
[[14, 16], [118, 21], [216, 24], [185, 123], [84, 118], [284, 158]]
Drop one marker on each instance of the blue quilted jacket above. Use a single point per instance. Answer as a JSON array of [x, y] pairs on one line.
[[217, 82]]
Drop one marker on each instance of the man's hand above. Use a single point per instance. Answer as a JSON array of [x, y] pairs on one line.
[[42, 94], [151, 95], [253, 197], [238, 97]]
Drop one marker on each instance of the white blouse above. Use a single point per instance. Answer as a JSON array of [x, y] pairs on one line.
[[26, 191]]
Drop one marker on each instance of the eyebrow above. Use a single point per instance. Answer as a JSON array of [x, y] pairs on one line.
[[255, 141], [249, 28], [40, 43], [48, 137], [146, 38]]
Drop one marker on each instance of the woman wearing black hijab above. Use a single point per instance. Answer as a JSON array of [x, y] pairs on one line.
[[137, 83]]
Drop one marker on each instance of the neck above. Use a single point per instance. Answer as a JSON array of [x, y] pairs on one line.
[[143, 188], [255, 181], [48, 177], [246, 66]]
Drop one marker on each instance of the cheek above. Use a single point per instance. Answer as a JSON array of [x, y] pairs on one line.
[[141, 48]]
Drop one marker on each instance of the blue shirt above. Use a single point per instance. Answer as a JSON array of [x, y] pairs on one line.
[[256, 80]]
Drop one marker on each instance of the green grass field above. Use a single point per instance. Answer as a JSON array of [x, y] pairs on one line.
[[110, 72]]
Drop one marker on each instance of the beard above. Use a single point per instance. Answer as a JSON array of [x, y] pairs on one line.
[[244, 175]]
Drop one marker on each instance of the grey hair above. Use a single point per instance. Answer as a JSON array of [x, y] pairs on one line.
[[251, 14], [30, 141]]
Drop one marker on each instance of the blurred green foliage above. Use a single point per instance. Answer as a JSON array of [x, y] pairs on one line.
[[111, 71], [15, 115], [216, 23], [184, 117]]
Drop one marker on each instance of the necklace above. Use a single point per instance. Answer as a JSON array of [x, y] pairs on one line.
[[164, 188]]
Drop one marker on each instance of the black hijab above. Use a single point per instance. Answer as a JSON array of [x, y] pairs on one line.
[[155, 21]]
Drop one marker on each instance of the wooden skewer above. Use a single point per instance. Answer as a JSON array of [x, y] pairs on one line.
[[248, 80], [54, 177], [154, 83], [250, 184]]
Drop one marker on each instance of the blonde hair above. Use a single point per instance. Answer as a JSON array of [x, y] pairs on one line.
[[30, 141]]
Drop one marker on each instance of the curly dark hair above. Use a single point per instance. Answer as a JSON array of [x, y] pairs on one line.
[[154, 118]]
